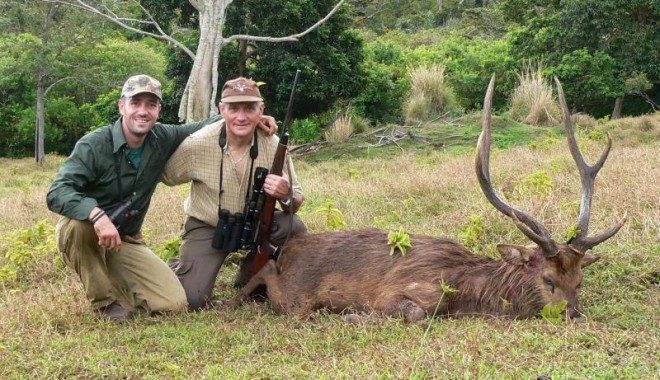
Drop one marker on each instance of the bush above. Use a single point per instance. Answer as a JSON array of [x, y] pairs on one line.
[[27, 254], [340, 130], [429, 95], [583, 120], [532, 101], [386, 84], [589, 79], [305, 130]]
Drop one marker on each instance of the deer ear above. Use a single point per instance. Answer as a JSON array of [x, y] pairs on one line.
[[515, 254], [588, 260]]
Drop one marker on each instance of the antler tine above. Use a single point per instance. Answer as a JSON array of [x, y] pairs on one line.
[[587, 173], [586, 243], [534, 230]]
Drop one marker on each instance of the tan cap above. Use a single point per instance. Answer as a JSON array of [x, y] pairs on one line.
[[138, 84], [240, 90]]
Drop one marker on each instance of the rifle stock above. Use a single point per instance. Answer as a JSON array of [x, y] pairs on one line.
[[264, 249]]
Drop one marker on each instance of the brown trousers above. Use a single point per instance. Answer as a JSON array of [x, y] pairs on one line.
[[133, 276], [199, 263]]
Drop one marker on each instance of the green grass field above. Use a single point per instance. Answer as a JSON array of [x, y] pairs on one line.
[[423, 183]]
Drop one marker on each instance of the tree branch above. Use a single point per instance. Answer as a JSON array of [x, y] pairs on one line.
[[126, 22], [56, 82], [292, 37]]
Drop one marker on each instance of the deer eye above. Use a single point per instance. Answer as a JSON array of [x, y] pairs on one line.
[[549, 283]]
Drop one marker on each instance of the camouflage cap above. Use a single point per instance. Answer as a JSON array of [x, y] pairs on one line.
[[138, 84], [240, 90]]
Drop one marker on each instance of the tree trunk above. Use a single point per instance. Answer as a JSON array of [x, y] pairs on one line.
[[242, 57], [618, 106], [39, 152], [199, 95]]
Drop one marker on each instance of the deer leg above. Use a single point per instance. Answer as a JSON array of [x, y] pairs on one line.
[[263, 277], [404, 308]]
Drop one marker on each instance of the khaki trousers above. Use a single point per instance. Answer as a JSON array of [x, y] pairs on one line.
[[133, 276], [199, 263]]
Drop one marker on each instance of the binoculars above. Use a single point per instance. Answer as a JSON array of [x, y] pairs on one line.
[[123, 213], [236, 231]]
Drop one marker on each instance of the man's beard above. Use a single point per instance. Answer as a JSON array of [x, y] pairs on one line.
[[138, 133]]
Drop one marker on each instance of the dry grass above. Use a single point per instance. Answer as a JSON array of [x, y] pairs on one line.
[[532, 101], [340, 130], [582, 120], [429, 94], [631, 131]]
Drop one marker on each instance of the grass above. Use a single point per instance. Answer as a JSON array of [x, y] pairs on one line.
[[48, 331], [532, 101]]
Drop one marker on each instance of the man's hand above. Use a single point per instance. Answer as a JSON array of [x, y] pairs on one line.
[[268, 124], [277, 186], [105, 230]]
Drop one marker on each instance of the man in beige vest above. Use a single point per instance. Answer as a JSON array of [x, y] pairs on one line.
[[220, 161]]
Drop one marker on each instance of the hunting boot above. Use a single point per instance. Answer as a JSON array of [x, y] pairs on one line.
[[114, 313]]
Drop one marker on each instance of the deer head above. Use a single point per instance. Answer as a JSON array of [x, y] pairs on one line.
[[562, 271]]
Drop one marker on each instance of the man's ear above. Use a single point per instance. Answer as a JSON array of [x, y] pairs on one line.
[[120, 106]]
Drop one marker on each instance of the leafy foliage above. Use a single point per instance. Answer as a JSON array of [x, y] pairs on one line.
[[472, 233], [26, 254], [333, 216], [592, 45], [305, 130], [361, 57], [74, 106], [539, 182], [169, 248], [553, 312], [385, 83], [398, 240], [589, 78], [329, 57]]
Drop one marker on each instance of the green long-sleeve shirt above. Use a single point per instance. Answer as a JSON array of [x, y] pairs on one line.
[[88, 177]]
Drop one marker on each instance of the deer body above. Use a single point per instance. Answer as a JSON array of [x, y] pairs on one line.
[[352, 270]]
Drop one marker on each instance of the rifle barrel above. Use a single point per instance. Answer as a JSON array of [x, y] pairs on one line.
[[289, 108]]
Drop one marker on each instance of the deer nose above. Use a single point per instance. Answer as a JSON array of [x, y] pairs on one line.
[[574, 313]]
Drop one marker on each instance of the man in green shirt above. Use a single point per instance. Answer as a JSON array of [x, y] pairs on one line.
[[117, 167]]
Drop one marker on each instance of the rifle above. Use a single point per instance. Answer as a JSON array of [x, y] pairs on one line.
[[264, 249]]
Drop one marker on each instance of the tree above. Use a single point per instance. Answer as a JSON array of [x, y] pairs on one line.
[[330, 57], [199, 95], [43, 55], [556, 32]]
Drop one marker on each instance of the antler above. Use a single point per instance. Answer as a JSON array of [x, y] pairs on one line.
[[587, 176], [534, 230]]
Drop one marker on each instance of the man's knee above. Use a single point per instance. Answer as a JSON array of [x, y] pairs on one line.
[[174, 301], [74, 232], [286, 225], [197, 277], [198, 301], [298, 226]]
